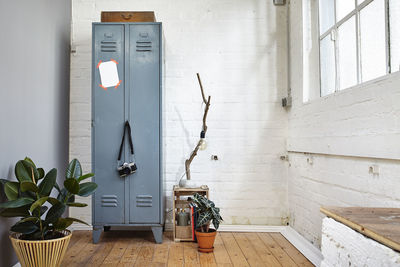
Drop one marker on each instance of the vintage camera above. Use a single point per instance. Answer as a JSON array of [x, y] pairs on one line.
[[127, 168]]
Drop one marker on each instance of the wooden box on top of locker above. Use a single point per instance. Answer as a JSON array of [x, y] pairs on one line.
[[126, 87], [128, 16]]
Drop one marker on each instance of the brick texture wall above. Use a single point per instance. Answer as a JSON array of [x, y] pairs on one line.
[[239, 48]]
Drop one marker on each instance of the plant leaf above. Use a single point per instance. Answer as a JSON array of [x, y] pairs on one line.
[[38, 203], [74, 169], [23, 171], [16, 203], [48, 183], [29, 219], [3, 181], [55, 212], [16, 212], [76, 220], [216, 223], [35, 171], [76, 204], [41, 173], [53, 200], [11, 190], [39, 211], [61, 196], [72, 185], [71, 199], [30, 161], [86, 189], [62, 223], [204, 218], [28, 186], [86, 176], [24, 227]]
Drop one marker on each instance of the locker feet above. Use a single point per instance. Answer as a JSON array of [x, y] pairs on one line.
[[107, 228], [157, 233], [96, 233]]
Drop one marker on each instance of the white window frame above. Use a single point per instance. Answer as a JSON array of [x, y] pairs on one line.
[[334, 29]]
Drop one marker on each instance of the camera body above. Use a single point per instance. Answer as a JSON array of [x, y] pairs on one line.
[[127, 168]]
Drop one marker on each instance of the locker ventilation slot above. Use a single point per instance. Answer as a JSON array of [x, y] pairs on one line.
[[108, 46], [144, 201], [109, 201], [143, 46]]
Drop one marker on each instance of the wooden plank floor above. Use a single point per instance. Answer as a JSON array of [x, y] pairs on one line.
[[130, 248]]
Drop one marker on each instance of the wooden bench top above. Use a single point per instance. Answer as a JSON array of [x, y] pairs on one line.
[[380, 224]]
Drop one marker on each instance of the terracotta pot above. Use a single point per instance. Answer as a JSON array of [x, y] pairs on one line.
[[206, 240], [40, 253]]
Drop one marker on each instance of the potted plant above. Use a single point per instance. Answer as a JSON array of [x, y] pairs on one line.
[[206, 213], [40, 237]]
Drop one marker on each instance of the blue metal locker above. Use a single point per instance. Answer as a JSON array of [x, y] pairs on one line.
[[135, 199]]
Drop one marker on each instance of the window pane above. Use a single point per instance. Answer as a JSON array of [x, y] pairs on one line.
[[343, 8], [327, 51], [326, 15], [373, 44], [347, 54], [394, 8]]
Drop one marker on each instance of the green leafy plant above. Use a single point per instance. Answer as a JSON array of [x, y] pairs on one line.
[[207, 213], [28, 196]]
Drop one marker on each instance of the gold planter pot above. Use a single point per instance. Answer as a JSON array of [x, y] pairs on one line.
[[41, 253]]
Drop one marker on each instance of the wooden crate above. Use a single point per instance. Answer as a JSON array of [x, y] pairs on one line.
[[184, 233], [128, 16]]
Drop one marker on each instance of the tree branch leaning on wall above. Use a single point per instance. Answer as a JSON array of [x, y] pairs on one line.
[[204, 129]]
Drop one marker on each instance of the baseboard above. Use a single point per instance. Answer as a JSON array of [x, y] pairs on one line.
[[312, 253], [250, 228]]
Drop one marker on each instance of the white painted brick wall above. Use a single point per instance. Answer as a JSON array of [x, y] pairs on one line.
[[239, 48], [348, 131], [342, 246], [337, 181]]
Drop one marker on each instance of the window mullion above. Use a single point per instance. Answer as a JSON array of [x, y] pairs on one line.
[[335, 43], [358, 45], [387, 37]]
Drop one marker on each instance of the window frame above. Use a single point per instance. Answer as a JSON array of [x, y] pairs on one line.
[[334, 30]]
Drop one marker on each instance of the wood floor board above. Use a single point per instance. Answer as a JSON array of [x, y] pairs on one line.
[[101, 253], [235, 253], [131, 253], [220, 253], [129, 248], [248, 250], [146, 254], [278, 252], [116, 253], [291, 250], [207, 260], [175, 257], [190, 254], [161, 254], [262, 250], [75, 248]]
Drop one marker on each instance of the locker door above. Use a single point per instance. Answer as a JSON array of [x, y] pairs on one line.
[[144, 116], [108, 116]]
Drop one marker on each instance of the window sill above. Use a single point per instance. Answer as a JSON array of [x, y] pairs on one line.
[[388, 78]]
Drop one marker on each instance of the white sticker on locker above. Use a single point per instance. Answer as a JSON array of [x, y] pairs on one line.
[[109, 74]]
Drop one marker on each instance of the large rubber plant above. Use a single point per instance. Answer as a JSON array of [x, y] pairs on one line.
[[30, 199]]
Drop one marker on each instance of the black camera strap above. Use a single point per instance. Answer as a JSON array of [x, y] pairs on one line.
[[127, 128]]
